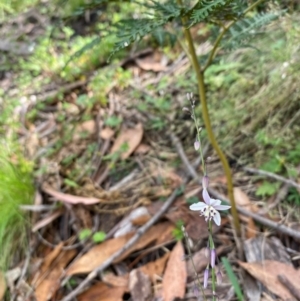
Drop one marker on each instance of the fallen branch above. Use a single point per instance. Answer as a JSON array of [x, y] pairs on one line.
[[92, 275], [264, 221], [272, 176]]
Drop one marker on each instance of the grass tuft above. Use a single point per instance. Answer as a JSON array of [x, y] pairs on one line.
[[16, 188]]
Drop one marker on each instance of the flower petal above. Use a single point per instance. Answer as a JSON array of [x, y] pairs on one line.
[[214, 202], [222, 207], [217, 218], [198, 206], [206, 196]]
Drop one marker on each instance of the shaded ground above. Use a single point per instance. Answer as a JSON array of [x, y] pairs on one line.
[[116, 171]]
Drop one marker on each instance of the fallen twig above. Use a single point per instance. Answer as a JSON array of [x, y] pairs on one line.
[[272, 176], [92, 275], [264, 221]]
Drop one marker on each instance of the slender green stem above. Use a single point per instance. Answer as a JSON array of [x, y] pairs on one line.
[[193, 264], [206, 119], [221, 35], [199, 139], [213, 272]]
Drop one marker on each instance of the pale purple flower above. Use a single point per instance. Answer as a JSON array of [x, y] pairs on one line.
[[196, 145], [210, 208], [213, 257], [205, 278], [205, 181]]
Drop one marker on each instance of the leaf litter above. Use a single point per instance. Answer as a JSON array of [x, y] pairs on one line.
[[86, 167]]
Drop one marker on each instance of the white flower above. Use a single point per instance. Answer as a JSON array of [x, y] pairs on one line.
[[210, 208]]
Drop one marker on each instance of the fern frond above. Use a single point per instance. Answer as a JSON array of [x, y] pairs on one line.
[[82, 50], [246, 29], [131, 30], [205, 8]]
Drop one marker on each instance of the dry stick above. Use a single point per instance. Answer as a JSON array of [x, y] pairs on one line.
[[264, 221], [272, 175], [92, 275]]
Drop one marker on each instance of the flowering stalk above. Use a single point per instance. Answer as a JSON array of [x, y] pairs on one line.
[[209, 209]]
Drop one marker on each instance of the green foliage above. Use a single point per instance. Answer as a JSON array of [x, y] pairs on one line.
[[233, 279], [267, 189], [206, 8], [16, 188], [84, 234], [177, 232], [70, 183], [293, 197], [10, 7], [192, 200], [99, 237], [113, 121]]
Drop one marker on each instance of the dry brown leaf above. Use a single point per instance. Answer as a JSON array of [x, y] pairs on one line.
[[2, 285], [159, 234], [113, 280], [175, 276], [88, 126], [139, 285], [142, 149], [69, 198], [267, 272], [155, 268], [47, 220], [168, 174], [243, 201], [106, 133], [154, 62], [51, 282], [51, 257], [132, 137], [98, 254], [102, 292]]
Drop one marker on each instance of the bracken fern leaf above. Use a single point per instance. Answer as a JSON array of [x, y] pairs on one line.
[[205, 8]]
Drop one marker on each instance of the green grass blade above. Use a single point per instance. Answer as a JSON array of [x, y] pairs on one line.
[[233, 279]]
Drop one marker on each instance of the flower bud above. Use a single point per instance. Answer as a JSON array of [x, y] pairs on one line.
[[219, 277], [205, 278], [205, 181], [196, 145], [189, 96], [213, 257]]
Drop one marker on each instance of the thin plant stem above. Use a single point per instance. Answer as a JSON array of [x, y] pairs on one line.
[[212, 246], [193, 264], [206, 119], [199, 139]]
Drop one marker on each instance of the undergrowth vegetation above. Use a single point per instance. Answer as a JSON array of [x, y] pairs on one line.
[[16, 188]]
